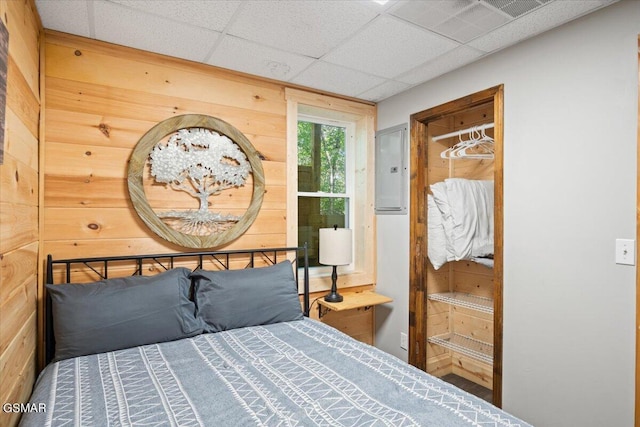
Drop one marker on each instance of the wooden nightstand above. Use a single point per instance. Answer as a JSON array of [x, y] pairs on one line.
[[365, 299], [354, 315]]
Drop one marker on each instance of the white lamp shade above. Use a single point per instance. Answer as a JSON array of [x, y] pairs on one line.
[[335, 246]]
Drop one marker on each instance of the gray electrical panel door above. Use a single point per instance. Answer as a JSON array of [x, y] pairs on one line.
[[391, 170]]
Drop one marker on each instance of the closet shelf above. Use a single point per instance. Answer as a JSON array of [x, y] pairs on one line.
[[473, 348], [460, 299]]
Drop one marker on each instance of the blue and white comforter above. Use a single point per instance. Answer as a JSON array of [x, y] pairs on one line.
[[300, 373]]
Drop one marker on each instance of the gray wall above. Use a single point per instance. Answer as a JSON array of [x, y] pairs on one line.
[[570, 131]]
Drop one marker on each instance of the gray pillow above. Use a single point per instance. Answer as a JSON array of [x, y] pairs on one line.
[[122, 312], [232, 299]]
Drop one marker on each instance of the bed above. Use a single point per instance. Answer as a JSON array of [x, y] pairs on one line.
[[222, 356]]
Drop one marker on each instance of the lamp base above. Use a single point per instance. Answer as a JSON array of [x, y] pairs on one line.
[[333, 297]]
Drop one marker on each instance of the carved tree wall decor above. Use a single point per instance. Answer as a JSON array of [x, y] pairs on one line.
[[203, 157]]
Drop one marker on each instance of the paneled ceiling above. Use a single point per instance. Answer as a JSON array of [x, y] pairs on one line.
[[358, 48]]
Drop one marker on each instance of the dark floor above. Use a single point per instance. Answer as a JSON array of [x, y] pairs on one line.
[[469, 386]]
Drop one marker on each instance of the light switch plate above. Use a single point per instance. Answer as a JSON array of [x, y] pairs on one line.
[[403, 341], [626, 251]]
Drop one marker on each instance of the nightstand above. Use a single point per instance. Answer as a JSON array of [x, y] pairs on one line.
[[365, 299], [354, 315]]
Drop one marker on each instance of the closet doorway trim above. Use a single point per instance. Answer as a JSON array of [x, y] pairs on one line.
[[418, 226]]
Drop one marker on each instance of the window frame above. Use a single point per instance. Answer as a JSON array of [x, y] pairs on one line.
[[362, 114], [349, 138]]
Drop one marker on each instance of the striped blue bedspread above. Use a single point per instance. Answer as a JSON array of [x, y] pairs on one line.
[[300, 373]]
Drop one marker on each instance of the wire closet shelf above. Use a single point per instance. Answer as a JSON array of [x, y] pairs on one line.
[[465, 300]]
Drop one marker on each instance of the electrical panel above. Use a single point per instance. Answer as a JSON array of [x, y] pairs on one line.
[[391, 170]]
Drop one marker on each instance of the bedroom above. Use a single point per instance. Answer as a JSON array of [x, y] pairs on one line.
[[567, 94]]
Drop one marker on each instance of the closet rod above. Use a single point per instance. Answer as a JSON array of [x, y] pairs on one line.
[[463, 131]]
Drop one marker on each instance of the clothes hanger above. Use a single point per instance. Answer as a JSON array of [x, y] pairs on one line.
[[481, 146], [478, 146], [447, 154]]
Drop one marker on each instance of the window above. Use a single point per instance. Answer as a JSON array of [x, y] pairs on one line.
[[330, 180], [325, 179]]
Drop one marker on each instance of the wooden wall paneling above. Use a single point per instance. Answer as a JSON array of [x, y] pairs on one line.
[[20, 142], [120, 223], [19, 182], [19, 368], [474, 324], [17, 309], [132, 110], [22, 101], [16, 268], [82, 61], [74, 160], [23, 24], [73, 127], [473, 169], [18, 226], [470, 369], [476, 284], [100, 99]]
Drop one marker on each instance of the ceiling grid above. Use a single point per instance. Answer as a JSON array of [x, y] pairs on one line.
[[355, 48]]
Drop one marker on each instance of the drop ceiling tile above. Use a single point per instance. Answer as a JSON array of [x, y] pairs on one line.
[[129, 27], [252, 58], [459, 30], [69, 16], [388, 47], [542, 19], [377, 6], [213, 15], [449, 61], [385, 90], [483, 17], [491, 21], [428, 14], [309, 28], [470, 23], [333, 78]]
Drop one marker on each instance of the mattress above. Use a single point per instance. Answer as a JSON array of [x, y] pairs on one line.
[[297, 373]]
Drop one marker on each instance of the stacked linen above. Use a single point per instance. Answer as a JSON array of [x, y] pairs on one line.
[[460, 220]]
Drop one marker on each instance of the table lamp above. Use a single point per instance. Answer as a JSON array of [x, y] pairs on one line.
[[335, 250]]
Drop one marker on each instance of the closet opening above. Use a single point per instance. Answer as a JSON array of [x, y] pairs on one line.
[[456, 220]]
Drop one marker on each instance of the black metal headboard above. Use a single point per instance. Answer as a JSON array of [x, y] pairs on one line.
[[99, 267]]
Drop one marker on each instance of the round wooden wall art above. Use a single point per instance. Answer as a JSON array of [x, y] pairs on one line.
[[195, 157]]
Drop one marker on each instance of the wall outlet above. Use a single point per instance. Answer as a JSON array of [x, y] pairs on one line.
[[626, 251], [404, 341]]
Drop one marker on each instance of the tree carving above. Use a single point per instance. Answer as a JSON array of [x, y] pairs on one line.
[[202, 163]]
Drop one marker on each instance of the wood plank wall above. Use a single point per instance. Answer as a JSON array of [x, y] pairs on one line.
[[19, 228], [100, 99]]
